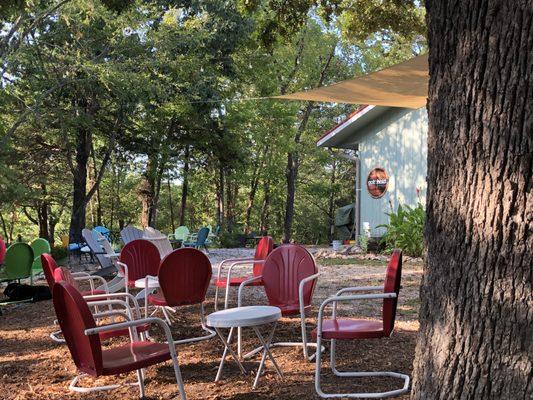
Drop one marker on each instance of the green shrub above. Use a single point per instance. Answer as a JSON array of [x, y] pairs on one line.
[[405, 230], [59, 252], [230, 240]]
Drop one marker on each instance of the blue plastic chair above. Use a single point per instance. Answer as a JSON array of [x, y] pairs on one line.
[[201, 239], [103, 231]]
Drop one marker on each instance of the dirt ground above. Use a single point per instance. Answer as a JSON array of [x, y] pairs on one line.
[[32, 366]]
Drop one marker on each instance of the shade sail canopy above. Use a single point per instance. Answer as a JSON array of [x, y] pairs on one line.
[[402, 85]]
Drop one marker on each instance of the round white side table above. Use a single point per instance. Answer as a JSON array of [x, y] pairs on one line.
[[243, 317]]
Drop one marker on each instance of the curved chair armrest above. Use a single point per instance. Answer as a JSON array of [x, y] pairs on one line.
[[111, 314], [243, 262], [124, 272], [91, 279], [242, 285], [110, 296], [335, 299], [133, 332], [234, 261], [359, 289], [81, 273], [121, 303], [301, 287]]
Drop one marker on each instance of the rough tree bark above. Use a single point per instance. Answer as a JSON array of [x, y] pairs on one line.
[[476, 315], [79, 185]]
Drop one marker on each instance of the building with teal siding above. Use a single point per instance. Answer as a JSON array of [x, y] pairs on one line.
[[389, 147]]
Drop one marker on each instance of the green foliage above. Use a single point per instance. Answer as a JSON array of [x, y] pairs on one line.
[[363, 242], [230, 240], [405, 230], [156, 86], [59, 252]]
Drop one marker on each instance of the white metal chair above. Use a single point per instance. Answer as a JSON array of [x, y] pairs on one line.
[[335, 328], [130, 233], [161, 241]]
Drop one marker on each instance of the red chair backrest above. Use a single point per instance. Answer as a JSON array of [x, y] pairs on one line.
[[3, 250], [142, 258], [184, 276], [74, 318], [392, 285], [263, 249], [284, 269], [49, 266], [62, 274]]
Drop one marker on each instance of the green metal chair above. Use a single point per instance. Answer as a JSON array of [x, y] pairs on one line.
[[17, 263], [39, 246], [180, 234]]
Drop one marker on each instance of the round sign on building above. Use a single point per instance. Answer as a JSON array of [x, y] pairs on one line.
[[377, 182]]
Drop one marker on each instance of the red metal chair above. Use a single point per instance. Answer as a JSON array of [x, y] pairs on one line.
[[98, 298], [263, 249], [184, 277], [138, 258], [289, 278], [49, 266], [3, 250], [82, 336], [334, 328]]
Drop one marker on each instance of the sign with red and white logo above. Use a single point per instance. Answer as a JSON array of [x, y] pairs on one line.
[[377, 182]]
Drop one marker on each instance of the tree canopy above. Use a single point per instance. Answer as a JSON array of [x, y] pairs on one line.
[[157, 113]]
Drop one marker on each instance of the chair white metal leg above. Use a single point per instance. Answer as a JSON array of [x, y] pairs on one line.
[[226, 349], [55, 337], [140, 378], [210, 333], [304, 344], [75, 388], [266, 352], [216, 298], [167, 317], [375, 395]]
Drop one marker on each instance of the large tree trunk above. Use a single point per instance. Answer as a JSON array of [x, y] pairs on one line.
[[79, 185], [476, 315]]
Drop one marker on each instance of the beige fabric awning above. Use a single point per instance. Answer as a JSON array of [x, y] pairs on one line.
[[402, 85]]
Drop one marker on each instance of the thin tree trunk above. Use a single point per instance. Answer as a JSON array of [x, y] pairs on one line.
[[265, 209], [146, 191], [220, 197], [170, 205], [254, 183], [184, 187], [293, 158], [98, 200], [476, 318], [4, 226]]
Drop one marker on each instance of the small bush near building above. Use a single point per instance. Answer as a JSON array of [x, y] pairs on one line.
[[405, 230]]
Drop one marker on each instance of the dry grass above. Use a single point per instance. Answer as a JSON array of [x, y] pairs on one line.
[[34, 367]]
